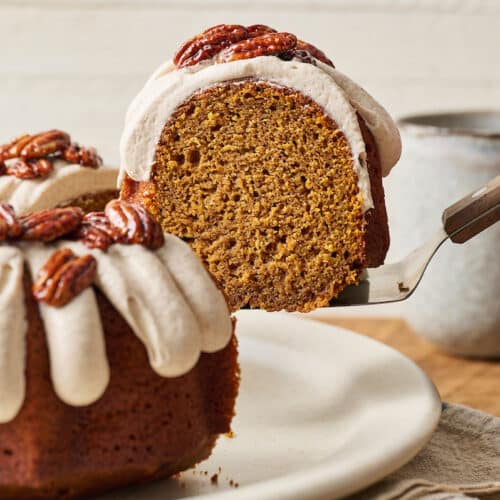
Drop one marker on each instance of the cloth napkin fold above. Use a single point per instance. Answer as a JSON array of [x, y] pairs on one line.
[[461, 461]]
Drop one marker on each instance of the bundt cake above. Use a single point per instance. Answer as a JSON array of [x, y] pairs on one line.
[[46, 170], [255, 150], [118, 362]]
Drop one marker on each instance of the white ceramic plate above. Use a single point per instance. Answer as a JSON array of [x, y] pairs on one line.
[[322, 412]]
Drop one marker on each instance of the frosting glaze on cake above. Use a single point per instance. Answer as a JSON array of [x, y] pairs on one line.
[[166, 296], [66, 181], [340, 97]]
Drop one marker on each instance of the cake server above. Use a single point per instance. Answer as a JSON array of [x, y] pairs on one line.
[[395, 282]]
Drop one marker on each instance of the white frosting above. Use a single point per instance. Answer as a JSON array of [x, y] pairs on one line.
[[144, 292], [12, 328], [185, 267], [75, 340], [65, 182], [377, 119], [166, 296], [169, 87]]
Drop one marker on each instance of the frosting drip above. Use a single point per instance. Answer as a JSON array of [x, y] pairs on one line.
[[12, 327], [166, 296], [186, 267], [166, 326], [75, 340], [341, 99], [67, 181]]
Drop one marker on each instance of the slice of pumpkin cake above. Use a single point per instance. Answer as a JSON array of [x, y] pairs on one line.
[[255, 150]]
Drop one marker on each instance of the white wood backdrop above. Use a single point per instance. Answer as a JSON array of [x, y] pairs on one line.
[[75, 64]]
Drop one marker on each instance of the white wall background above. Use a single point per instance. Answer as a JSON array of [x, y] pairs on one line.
[[75, 64]]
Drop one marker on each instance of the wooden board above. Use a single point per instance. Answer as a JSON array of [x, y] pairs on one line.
[[469, 382]]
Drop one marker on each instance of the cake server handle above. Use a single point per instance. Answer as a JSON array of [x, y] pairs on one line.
[[474, 213]]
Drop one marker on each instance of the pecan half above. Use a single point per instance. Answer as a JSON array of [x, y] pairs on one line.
[[48, 225], [63, 277], [87, 157], [303, 49], [209, 43], [13, 148], [45, 144], [263, 45], [30, 169], [96, 231], [9, 224], [258, 30], [134, 224]]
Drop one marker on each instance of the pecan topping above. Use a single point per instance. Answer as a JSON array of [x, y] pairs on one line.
[[49, 225], [9, 225], [134, 224], [32, 155], [96, 231], [304, 49], [87, 157], [263, 45], [258, 30], [207, 44], [45, 144], [63, 277], [30, 169], [121, 222], [230, 42], [13, 148]]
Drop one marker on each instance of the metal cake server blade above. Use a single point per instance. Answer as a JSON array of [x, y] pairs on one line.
[[395, 282]]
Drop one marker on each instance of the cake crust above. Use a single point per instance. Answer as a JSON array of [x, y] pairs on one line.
[[377, 238]]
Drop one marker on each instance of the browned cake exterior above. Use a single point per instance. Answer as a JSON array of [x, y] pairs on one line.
[[377, 237], [260, 182], [143, 427]]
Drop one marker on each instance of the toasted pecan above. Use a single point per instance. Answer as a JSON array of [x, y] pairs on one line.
[[63, 277], [263, 45], [209, 43], [96, 231], [13, 148], [87, 157], [304, 49], [45, 144], [33, 155], [30, 169], [230, 42], [258, 30], [10, 226], [51, 224], [134, 224]]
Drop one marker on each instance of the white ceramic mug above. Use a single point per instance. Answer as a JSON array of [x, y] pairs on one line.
[[446, 156]]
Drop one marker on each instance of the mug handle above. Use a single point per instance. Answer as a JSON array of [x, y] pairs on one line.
[[474, 213]]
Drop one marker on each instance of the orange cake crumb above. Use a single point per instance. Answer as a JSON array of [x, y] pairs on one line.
[[260, 181]]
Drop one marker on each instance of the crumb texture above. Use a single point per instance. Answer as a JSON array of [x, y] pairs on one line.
[[260, 182]]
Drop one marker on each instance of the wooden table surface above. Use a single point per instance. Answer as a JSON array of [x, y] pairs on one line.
[[470, 382]]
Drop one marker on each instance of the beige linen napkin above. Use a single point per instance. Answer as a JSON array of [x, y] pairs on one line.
[[461, 461]]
